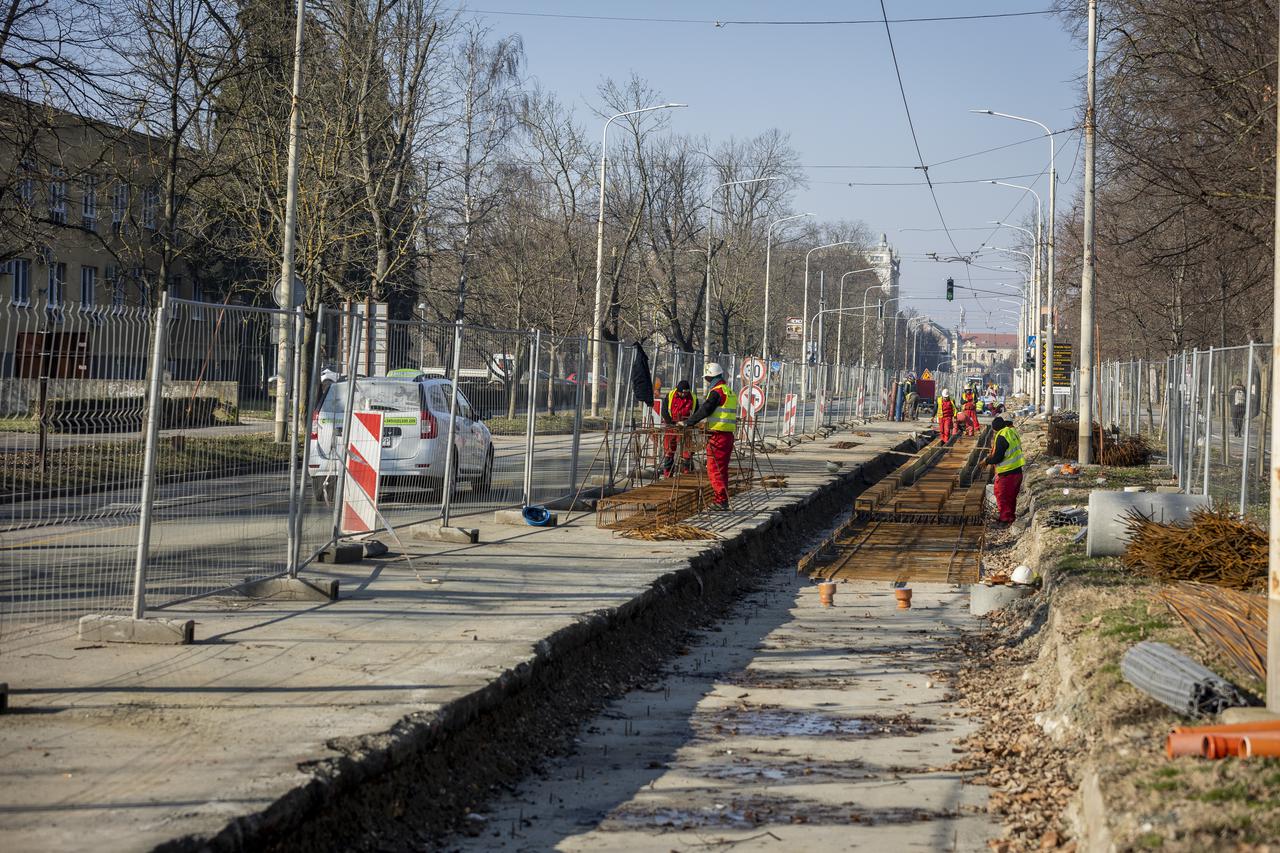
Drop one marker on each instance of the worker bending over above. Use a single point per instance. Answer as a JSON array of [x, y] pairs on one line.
[[678, 405], [720, 411], [946, 415], [969, 411], [1006, 456]]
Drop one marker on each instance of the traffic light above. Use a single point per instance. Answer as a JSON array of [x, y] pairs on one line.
[[951, 289]]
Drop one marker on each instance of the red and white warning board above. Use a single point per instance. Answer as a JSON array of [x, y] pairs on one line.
[[364, 461], [862, 402], [789, 414]]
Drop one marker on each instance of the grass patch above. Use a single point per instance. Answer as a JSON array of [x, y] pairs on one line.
[[1149, 841], [544, 425], [1236, 792], [17, 425], [116, 464], [1131, 623]]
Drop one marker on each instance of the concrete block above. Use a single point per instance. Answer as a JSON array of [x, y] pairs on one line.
[[1247, 715], [438, 533], [107, 628], [343, 552], [291, 589], [1167, 490], [515, 517], [985, 599], [1108, 536]]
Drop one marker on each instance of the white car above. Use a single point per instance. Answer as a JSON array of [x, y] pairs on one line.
[[415, 429]]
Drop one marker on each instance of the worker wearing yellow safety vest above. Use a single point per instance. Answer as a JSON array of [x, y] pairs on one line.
[[720, 410], [1006, 456]]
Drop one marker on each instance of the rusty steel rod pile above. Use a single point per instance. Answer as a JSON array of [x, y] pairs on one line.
[[1233, 622], [1215, 547], [1117, 450]]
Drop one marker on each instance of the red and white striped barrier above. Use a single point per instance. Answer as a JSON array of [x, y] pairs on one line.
[[789, 414], [862, 402], [364, 461]]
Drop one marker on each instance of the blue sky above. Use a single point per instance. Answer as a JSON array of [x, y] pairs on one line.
[[833, 89]]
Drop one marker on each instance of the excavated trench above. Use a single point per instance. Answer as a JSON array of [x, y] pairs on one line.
[[431, 781]]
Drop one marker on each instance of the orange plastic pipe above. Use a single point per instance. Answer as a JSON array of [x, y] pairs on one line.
[[1260, 726], [1185, 743], [1258, 747], [1232, 745]]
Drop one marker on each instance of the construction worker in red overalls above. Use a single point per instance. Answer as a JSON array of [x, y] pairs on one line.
[[969, 411], [720, 411], [678, 405], [946, 416]]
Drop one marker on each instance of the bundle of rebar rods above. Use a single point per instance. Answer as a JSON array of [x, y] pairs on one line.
[[1234, 623], [1116, 450], [1214, 547]]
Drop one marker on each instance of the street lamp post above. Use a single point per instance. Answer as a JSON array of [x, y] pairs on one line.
[[840, 317], [1036, 240], [1033, 306], [1053, 180], [711, 215], [597, 327], [804, 311], [768, 256]]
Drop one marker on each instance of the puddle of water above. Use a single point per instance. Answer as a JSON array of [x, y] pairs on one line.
[[787, 722], [764, 769], [761, 811]]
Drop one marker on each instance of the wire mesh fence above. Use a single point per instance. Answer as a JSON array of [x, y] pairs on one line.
[[144, 461], [1210, 410]]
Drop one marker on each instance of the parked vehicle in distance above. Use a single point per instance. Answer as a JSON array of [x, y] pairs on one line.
[[415, 429]]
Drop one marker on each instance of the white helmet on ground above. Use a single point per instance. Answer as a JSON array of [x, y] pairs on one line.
[[712, 368]]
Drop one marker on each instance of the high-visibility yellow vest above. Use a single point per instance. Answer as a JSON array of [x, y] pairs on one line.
[[671, 398], [1013, 455], [725, 418]]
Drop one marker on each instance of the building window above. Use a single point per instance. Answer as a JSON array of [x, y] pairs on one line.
[[119, 205], [57, 285], [58, 196], [150, 207], [89, 202], [20, 270], [26, 186], [88, 285], [116, 282]]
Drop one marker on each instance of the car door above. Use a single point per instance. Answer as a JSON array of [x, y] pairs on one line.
[[474, 445]]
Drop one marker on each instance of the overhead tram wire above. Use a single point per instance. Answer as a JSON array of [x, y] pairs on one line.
[[721, 24]]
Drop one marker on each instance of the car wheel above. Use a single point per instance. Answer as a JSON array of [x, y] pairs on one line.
[[483, 484]]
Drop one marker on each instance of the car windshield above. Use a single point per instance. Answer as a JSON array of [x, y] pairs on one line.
[[374, 396]]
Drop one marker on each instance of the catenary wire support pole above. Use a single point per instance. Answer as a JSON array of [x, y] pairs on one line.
[[597, 325], [155, 401], [449, 480], [1273, 535], [284, 358], [535, 344], [1244, 448], [354, 342], [1085, 430]]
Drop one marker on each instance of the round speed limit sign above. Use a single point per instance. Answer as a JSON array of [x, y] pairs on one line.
[[753, 371]]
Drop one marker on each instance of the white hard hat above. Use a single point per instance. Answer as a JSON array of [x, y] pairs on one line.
[[712, 368], [1022, 574], [946, 393]]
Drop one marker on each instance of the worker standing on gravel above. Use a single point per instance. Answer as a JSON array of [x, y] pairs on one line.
[[720, 411], [1006, 456], [969, 411], [946, 415], [678, 405]]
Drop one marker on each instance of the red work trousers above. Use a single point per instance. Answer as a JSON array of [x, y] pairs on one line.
[[719, 453], [1007, 488], [970, 420], [946, 426], [670, 442]]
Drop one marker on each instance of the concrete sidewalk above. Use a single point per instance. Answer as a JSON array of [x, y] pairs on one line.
[[134, 746]]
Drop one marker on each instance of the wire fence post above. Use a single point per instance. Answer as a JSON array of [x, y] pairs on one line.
[[303, 406], [348, 414], [535, 345], [1208, 419], [1244, 448], [575, 447], [291, 389], [449, 480], [147, 505]]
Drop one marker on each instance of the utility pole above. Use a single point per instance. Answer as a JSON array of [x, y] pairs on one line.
[[1273, 585], [1085, 433], [284, 353]]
